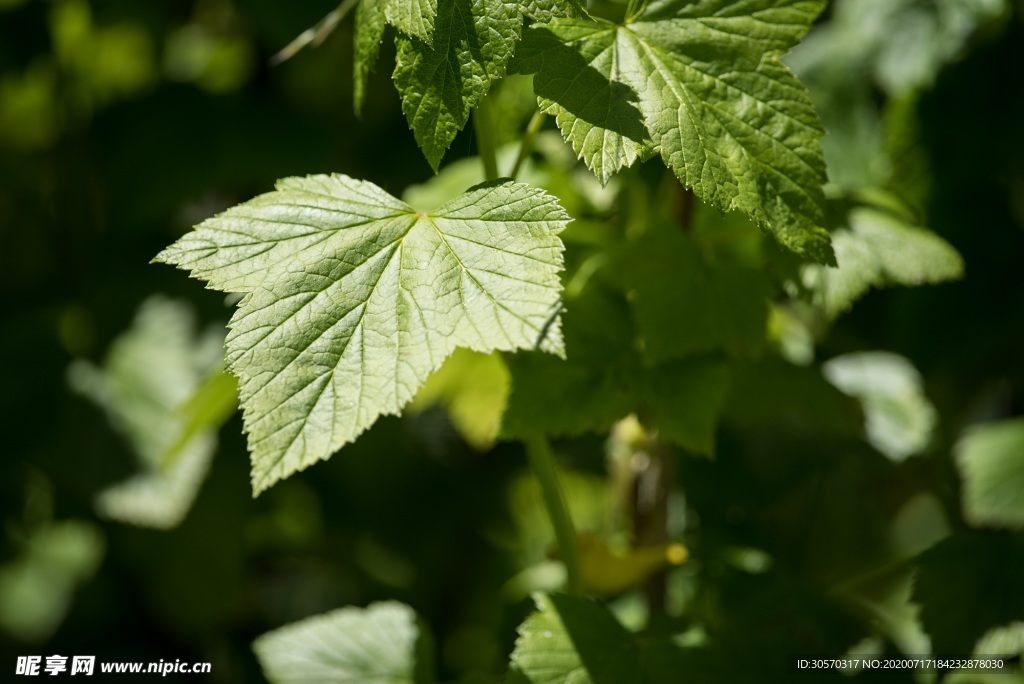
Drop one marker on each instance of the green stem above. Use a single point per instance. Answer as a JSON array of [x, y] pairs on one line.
[[483, 122], [527, 145], [543, 463]]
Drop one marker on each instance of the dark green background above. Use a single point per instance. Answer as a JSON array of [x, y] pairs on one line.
[[118, 175]]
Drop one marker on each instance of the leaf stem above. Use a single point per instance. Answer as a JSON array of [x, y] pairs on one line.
[[487, 146], [316, 34], [543, 463], [525, 147]]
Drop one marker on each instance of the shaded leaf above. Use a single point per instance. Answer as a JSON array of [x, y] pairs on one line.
[[440, 82], [686, 305], [370, 22]]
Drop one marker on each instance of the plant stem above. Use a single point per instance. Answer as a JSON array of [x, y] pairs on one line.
[[543, 463], [525, 147], [487, 146], [314, 35]]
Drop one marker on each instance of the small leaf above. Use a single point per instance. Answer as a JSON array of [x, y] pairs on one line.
[[543, 11], [599, 117], [414, 18], [440, 82], [353, 298], [879, 250], [37, 586], [898, 418], [991, 462], [373, 645], [152, 388], [575, 641], [370, 22]]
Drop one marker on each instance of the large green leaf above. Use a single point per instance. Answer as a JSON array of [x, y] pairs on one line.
[[571, 640], [440, 82], [991, 462], [373, 645], [353, 298], [727, 116]]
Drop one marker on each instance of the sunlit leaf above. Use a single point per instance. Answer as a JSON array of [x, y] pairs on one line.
[[373, 645], [898, 418], [576, 641], [353, 298]]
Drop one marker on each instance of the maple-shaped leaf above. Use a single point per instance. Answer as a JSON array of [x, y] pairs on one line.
[[703, 79], [440, 82], [352, 298]]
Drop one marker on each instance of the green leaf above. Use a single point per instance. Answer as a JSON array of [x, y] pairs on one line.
[[414, 18], [38, 585], [599, 117], [473, 388], [353, 298], [800, 400], [370, 22], [684, 304], [991, 462], [543, 11], [603, 380], [373, 645], [589, 390], [898, 418], [575, 641], [968, 584], [441, 82], [683, 400], [727, 116], [161, 389], [903, 43], [879, 250]]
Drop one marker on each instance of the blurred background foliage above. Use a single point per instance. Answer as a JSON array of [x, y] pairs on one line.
[[867, 485]]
